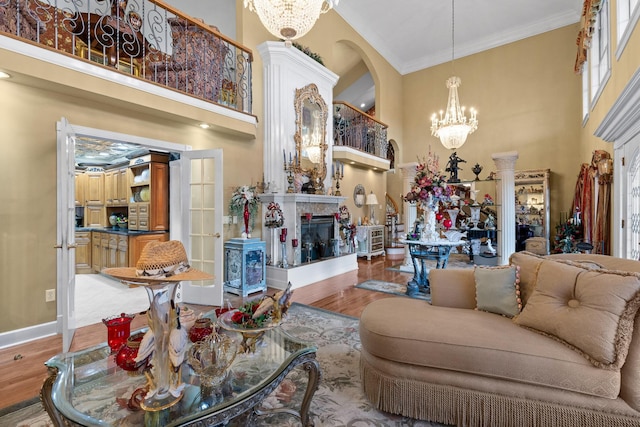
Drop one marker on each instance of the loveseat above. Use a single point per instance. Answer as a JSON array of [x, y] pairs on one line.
[[565, 353]]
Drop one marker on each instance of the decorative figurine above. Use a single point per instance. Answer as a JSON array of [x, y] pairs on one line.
[[452, 167], [476, 169]]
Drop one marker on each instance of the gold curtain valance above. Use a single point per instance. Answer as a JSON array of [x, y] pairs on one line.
[[590, 10]]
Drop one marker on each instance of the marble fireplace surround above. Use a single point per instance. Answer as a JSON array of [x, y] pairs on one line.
[[294, 207]]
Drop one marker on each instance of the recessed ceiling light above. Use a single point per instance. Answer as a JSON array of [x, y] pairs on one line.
[[204, 125], [353, 163], [4, 75], [362, 105]]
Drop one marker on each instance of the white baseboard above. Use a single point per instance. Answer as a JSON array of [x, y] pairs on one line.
[[20, 336]]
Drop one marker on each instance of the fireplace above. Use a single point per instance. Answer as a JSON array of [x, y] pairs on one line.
[[317, 259], [317, 237]]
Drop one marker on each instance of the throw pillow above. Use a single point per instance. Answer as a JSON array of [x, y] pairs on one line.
[[590, 310], [497, 290], [529, 264]]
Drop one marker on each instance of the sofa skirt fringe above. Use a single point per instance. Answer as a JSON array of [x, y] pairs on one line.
[[455, 406]]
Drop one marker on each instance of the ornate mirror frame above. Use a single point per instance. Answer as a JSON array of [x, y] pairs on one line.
[[359, 195], [311, 125]]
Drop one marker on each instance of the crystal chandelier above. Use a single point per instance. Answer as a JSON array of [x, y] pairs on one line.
[[454, 127], [289, 19]]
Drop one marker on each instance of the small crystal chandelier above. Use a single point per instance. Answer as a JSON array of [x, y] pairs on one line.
[[454, 127], [289, 19]]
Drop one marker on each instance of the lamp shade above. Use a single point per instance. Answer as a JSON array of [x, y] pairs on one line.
[[372, 199]]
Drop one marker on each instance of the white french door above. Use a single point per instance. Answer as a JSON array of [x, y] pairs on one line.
[[630, 177], [198, 193], [200, 174], [65, 233]]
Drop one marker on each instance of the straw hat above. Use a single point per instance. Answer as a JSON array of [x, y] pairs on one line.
[[159, 262]]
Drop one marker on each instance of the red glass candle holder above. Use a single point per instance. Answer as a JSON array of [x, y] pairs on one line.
[[283, 235], [201, 329], [126, 357], [294, 243], [118, 330]]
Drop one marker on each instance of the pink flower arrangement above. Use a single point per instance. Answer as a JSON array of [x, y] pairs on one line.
[[430, 184]]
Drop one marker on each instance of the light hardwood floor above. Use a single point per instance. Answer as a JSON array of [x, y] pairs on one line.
[[22, 367]]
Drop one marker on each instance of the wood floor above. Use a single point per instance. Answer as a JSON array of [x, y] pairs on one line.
[[22, 367]]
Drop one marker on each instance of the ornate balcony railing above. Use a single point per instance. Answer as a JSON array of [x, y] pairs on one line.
[[146, 39], [356, 129]]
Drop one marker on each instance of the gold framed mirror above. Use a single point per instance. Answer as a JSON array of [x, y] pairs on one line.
[[311, 138]]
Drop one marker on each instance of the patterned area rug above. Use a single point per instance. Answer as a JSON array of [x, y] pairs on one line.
[[391, 288], [339, 400]]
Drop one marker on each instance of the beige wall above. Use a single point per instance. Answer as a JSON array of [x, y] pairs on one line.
[[528, 100]]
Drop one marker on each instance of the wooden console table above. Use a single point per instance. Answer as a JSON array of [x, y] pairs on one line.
[[422, 251]]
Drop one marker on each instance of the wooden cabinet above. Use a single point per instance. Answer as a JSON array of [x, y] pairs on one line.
[[83, 252], [116, 187], [96, 251], [137, 243], [149, 193], [532, 209], [94, 190], [122, 251], [94, 216], [370, 240], [81, 182]]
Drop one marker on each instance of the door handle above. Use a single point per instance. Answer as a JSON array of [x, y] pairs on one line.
[[217, 235]]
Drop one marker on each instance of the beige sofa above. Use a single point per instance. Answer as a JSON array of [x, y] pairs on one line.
[[451, 363]]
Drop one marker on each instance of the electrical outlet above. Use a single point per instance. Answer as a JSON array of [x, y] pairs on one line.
[[50, 295], [226, 219]]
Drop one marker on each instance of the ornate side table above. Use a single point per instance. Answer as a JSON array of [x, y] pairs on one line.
[[422, 251]]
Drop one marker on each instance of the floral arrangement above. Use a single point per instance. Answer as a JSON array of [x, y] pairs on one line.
[[488, 200], [274, 217], [244, 316], [344, 217], [430, 185], [245, 195]]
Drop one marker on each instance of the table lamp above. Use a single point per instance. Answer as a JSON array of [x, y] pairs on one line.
[[372, 200]]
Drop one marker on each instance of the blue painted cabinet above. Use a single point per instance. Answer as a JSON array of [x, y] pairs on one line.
[[245, 266]]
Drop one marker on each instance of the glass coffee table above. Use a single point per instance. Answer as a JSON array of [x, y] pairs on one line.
[[88, 388]]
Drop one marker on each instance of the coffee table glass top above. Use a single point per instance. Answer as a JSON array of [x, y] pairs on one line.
[[91, 389]]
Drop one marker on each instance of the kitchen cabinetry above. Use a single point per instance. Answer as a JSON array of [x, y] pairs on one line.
[[94, 216], [149, 193], [116, 187], [138, 242], [94, 190], [370, 240], [83, 252], [532, 207], [81, 182], [108, 249]]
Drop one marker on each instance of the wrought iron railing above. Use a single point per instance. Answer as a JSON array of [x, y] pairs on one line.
[[356, 129], [146, 39]]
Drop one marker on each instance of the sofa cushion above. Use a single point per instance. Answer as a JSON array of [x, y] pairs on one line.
[[414, 332], [590, 310], [498, 289], [529, 264]]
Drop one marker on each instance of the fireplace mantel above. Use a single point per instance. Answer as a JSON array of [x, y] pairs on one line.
[[294, 206]]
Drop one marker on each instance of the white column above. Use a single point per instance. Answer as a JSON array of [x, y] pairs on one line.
[[410, 211], [506, 200]]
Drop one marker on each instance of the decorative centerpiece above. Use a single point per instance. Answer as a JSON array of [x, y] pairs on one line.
[[254, 318], [210, 360], [429, 191], [245, 202], [161, 266]]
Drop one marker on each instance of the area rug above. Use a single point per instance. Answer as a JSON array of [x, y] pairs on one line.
[[455, 261], [339, 400], [391, 288]]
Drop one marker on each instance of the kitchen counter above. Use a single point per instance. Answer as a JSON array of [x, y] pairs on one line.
[[117, 230]]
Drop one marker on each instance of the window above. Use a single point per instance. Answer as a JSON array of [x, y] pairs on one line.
[[585, 92], [628, 13], [599, 53]]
